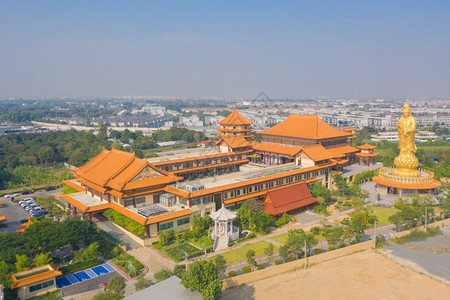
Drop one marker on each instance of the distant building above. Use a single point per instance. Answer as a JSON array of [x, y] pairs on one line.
[[392, 136]]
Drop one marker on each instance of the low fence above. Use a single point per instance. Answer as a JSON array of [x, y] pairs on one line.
[[315, 259], [290, 266]]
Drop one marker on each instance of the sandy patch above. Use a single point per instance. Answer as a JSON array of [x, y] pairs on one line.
[[365, 275]]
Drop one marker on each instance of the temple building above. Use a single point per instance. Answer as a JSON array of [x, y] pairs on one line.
[[35, 282], [167, 192], [366, 156], [236, 133]]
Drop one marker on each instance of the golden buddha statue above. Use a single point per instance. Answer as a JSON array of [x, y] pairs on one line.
[[406, 162]]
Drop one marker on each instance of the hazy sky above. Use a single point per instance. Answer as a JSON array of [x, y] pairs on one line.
[[225, 48]]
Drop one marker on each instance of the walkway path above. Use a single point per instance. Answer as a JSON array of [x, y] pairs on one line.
[[112, 230]]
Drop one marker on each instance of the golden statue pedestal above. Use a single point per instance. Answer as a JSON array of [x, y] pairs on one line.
[[406, 166]]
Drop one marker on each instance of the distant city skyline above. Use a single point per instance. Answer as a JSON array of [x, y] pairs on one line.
[[235, 49]]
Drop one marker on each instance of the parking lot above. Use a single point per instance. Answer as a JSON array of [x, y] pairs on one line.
[[15, 213]]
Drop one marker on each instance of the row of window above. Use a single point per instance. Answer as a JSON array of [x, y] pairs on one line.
[[202, 163], [139, 200], [170, 224], [41, 286]]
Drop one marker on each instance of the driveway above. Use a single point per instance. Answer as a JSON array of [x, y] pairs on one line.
[[118, 234], [13, 212], [153, 259]]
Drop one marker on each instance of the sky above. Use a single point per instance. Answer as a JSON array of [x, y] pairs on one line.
[[225, 49]]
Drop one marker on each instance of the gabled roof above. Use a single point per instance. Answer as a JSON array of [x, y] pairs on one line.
[[34, 275], [235, 118], [305, 127], [288, 198], [339, 151], [119, 170], [317, 152], [291, 151], [223, 214], [367, 147], [237, 141]]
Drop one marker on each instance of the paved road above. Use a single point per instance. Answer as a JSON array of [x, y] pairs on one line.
[[13, 212], [118, 234], [432, 255]]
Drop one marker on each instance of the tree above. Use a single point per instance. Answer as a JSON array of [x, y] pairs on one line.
[[116, 285], [22, 262], [5, 271], [203, 276], [42, 259], [319, 190], [251, 257], [284, 252], [102, 132], [333, 235], [162, 275], [268, 251], [221, 265], [260, 221], [179, 270], [142, 283], [201, 225]]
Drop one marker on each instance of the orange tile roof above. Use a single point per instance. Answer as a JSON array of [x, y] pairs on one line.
[[235, 130], [197, 158], [423, 186], [291, 151], [23, 226], [73, 185], [340, 162], [261, 193], [40, 276], [233, 141], [125, 211], [317, 152], [367, 147], [288, 198], [115, 170], [305, 127], [367, 154], [336, 173], [343, 150], [2, 218], [235, 118], [352, 137], [349, 129]]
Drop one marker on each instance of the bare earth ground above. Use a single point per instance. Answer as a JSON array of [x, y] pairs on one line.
[[364, 275]]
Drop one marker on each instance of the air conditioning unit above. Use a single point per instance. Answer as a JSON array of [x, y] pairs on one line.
[[194, 187]]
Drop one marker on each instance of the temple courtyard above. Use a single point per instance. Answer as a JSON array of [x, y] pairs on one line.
[[368, 274]]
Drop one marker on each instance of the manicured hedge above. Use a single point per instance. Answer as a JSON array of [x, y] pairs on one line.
[[79, 265], [127, 223]]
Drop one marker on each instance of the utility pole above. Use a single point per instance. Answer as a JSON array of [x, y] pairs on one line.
[[375, 235], [306, 257], [426, 214]]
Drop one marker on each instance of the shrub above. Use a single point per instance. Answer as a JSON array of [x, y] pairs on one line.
[[291, 258], [232, 273], [284, 219], [79, 265], [342, 245], [353, 242], [330, 248], [438, 218], [246, 269], [128, 264], [3, 225], [315, 230], [318, 251], [260, 266], [127, 223], [23, 221], [406, 227], [179, 270], [162, 275], [278, 262]]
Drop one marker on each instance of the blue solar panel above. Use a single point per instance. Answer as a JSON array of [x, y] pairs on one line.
[[90, 273], [99, 270], [109, 268], [81, 276], [62, 282], [72, 279]]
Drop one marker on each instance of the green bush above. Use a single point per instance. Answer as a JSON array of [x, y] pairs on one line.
[[318, 251], [315, 230], [291, 258], [278, 262], [342, 245], [162, 275], [128, 264], [260, 266], [127, 223], [284, 219], [232, 273], [79, 265], [330, 248], [246, 269]]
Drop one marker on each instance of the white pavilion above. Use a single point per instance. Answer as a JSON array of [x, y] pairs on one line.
[[223, 231]]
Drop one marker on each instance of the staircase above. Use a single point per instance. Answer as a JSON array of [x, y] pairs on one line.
[[220, 243]]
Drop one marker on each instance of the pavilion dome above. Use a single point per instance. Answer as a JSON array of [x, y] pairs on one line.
[[223, 214]]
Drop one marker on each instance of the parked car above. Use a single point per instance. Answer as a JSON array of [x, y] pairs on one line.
[[36, 209], [38, 213], [50, 188], [11, 195], [26, 192], [27, 202], [31, 206]]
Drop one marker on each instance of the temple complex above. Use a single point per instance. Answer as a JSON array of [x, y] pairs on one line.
[[405, 179], [168, 192]]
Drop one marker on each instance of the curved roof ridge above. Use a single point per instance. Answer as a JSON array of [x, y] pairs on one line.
[[235, 118]]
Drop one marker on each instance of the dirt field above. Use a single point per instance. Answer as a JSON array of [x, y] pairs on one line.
[[365, 275]]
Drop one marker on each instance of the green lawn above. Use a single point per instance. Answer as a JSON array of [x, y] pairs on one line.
[[236, 254], [383, 213], [283, 238]]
